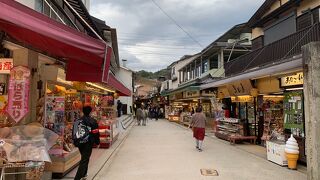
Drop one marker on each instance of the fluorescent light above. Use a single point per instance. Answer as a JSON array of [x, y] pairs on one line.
[[100, 87], [294, 89]]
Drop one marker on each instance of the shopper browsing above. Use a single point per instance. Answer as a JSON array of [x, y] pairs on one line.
[[198, 124], [85, 134]]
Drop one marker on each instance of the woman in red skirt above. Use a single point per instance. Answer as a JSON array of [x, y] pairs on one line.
[[198, 125]]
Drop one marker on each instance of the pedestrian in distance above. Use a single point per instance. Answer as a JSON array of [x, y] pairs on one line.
[[198, 124], [145, 111], [119, 108], [85, 135], [140, 115]]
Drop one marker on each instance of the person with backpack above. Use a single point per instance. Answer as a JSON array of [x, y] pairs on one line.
[[85, 134]]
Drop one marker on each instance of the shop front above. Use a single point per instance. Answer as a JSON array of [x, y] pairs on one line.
[[35, 90], [264, 108]]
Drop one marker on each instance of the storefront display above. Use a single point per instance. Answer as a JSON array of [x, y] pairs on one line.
[[108, 123], [276, 153]]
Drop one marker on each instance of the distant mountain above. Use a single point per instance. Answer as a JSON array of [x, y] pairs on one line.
[[155, 75]]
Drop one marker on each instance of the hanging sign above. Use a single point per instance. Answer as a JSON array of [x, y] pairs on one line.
[[19, 87], [5, 65], [293, 80], [240, 88]]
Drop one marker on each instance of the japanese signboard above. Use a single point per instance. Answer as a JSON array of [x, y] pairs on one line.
[[19, 86], [5, 65], [240, 88], [293, 80]]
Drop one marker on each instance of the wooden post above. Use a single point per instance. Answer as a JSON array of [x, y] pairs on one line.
[[311, 64]]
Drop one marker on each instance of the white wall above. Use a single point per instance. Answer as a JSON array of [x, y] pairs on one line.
[[29, 3], [178, 66], [125, 76]]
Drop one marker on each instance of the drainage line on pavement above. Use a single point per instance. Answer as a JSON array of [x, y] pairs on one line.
[[113, 152]]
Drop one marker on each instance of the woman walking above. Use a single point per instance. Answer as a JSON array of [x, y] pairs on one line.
[[198, 124]]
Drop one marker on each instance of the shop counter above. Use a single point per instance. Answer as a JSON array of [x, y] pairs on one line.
[[60, 166], [275, 152]]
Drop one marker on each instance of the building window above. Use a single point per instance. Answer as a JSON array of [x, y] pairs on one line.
[[173, 71], [205, 66], [39, 5], [214, 62]]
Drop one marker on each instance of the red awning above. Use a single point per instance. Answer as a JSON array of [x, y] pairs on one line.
[[47, 35], [84, 55], [123, 91], [84, 73]]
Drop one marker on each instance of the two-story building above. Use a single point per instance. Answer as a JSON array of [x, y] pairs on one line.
[[202, 68], [263, 88], [50, 44]]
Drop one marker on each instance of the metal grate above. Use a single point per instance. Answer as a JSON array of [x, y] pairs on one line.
[[209, 172]]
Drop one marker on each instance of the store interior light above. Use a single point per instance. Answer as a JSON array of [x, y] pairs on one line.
[[64, 81], [273, 96], [294, 89], [99, 87]]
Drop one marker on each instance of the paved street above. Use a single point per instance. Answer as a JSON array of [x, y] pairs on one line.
[[166, 151]]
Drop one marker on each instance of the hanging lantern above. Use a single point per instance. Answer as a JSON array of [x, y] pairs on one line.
[[220, 95], [79, 85], [254, 92]]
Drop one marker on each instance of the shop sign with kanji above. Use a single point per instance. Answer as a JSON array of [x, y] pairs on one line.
[[19, 87], [5, 65], [293, 80]]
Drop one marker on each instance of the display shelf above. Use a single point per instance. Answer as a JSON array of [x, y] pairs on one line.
[[229, 127]]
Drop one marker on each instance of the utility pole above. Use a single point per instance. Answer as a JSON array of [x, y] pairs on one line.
[[311, 66]]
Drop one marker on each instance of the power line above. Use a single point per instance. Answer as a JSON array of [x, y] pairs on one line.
[[176, 23], [158, 46]]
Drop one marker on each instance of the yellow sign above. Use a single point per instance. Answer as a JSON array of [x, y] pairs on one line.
[[293, 80]]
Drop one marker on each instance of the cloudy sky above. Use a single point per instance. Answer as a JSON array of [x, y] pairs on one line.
[[151, 39]]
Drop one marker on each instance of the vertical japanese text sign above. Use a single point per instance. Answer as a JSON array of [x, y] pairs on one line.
[[19, 86]]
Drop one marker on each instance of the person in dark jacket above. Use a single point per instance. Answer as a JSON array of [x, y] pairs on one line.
[[86, 148], [119, 108]]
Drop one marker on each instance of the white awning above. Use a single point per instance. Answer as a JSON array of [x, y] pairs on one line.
[[291, 65]]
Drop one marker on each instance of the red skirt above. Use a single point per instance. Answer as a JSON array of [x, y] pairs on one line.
[[198, 133]]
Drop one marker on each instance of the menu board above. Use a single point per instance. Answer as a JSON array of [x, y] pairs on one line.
[[293, 109]]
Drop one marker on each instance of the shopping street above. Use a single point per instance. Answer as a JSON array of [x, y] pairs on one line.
[[166, 150]]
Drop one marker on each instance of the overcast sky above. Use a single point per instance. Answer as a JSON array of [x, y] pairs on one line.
[[151, 41]]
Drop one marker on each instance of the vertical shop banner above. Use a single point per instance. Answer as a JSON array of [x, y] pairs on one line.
[[19, 87]]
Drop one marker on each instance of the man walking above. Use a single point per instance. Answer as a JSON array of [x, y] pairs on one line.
[[85, 124], [140, 115]]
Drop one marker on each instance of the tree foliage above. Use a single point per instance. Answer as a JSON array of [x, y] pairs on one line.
[[153, 75]]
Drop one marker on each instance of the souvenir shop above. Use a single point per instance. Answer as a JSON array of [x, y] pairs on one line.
[[264, 110], [40, 95]]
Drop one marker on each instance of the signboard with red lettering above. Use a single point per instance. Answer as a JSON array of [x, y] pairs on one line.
[[5, 65], [19, 86]]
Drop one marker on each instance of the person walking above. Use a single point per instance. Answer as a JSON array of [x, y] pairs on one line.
[[140, 115], [85, 145], [198, 124], [145, 119], [119, 108]]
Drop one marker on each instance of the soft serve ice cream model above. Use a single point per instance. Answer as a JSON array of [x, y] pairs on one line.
[[292, 152]]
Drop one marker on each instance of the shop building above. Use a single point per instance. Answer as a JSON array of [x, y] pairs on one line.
[[261, 96], [58, 68], [200, 69]]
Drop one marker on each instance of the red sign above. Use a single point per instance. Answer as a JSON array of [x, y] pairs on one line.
[[106, 65], [19, 86], [5, 65]]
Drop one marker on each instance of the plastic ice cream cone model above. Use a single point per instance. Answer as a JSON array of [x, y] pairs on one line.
[[292, 152]]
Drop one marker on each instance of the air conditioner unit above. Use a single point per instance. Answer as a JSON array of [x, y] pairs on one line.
[[231, 41], [245, 38]]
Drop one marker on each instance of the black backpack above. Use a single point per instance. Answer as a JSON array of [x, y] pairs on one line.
[[80, 132]]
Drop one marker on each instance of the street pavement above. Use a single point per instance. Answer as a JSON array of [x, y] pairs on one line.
[[166, 151]]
